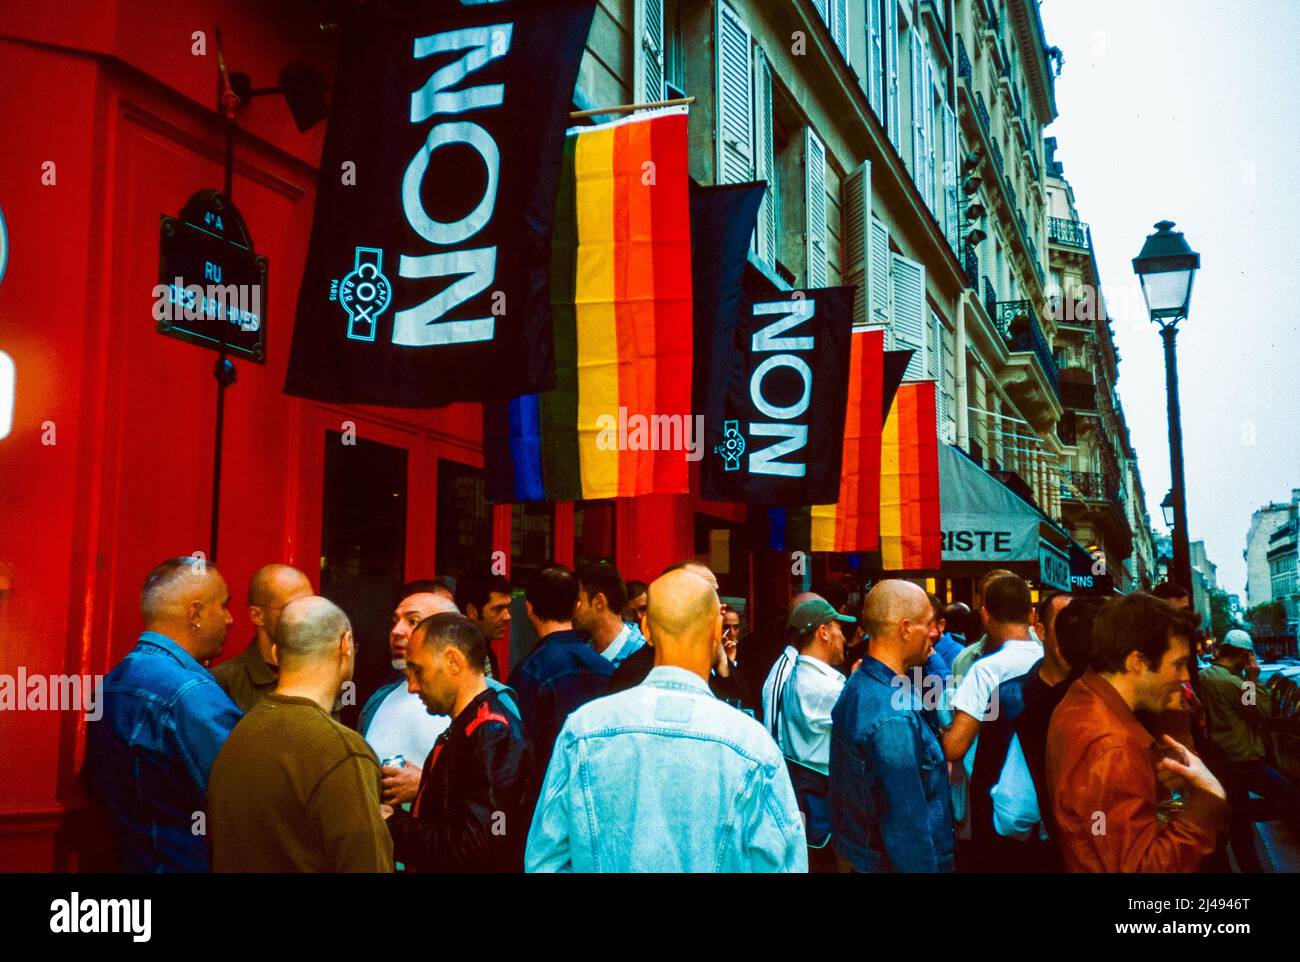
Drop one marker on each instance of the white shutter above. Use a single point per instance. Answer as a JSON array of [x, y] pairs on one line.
[[918, 116], [649, 65], [948, 390], [891, 67], [935, 370], [907, 296], [815, 204], [875, 61], [927, 95], [839, 25], [855, 201], [951, 164], [735, 109], [823, 11], [878, 274], [765, 234]]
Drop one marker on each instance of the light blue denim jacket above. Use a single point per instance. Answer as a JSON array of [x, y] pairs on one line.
[[664, 777]]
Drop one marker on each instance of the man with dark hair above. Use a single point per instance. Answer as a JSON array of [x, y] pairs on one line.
[[984, 645], [601, 598], [991, 850], [634, 610], [1104, 770], [293, 790], [562, 671], [471, 810], [249, 677], [485, 600], [1005, 614], [164, 718], [1175, 594], [1238, 709]]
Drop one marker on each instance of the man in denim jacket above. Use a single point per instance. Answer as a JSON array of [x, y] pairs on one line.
[[664, 777], [890, 805], [165, 718]]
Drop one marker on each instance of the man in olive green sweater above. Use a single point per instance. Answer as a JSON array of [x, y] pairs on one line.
[[292, 790]]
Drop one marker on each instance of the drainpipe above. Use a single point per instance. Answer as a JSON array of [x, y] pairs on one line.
[[963, 393]]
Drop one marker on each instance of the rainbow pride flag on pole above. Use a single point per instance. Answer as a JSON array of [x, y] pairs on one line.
[[853, 523], [910, 533], [618, 420]]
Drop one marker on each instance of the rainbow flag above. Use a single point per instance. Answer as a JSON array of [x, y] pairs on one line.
[[910, 534], [616, 422], [853, 522]]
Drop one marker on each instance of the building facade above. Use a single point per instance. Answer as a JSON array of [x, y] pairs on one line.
[[1264, 523], [902, 144]]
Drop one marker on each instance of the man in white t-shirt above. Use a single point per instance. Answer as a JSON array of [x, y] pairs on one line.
[[394, 720], [1007, 613], [779, 674], [814, 686]]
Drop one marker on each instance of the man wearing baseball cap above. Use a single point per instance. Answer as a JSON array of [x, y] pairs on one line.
[[810, 693], [1238, 707]]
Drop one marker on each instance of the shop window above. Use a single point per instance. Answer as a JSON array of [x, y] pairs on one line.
[[722, 546], [464, 520], [594, 536], [532, 539]]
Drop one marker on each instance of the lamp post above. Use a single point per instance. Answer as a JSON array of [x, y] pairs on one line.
[[1167, 267]]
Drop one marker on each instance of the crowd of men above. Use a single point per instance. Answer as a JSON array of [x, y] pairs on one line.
[[633, 737]]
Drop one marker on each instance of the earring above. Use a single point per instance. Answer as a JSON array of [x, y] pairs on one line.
[[195, 626]]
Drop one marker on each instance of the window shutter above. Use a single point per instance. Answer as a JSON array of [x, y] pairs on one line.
[[765, 234], [935, 370], [948, 390], [918, 116], [815, 203], [907, 289], [878, 274], [649, 67], [951, 164], [735, 107], [839, 25], [856, 205], [875, 61], [927, 97], [823, 11], [891, 66]]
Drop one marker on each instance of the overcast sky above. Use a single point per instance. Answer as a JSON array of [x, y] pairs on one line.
[[1185, 110]]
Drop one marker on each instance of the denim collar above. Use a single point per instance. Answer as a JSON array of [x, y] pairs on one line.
[[878, 670], [670, 676], [170, 647]]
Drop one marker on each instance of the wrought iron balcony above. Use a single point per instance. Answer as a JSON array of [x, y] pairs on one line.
[[991, 300], [963, 63], [997, 159], [1092, 486], [972, 265], [1018, 324], [1062, 230], [982, 112]]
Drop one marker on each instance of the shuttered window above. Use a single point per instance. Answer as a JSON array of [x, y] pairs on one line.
[[951, 164], [937, 369], [875, 60], [815, 203], [918, 116], [839, 24], [649, 66], [878, 274], [855, 203], [927, 129], [766, 233], [735, 99], [909, 321], [891, 71]]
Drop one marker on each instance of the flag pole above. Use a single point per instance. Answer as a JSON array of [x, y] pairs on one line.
[[629, 108]]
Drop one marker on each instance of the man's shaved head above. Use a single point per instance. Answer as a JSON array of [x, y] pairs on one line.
[[176, 582], [277, 584], [699, 568], [890, 602], [684, 618], [310, 630]]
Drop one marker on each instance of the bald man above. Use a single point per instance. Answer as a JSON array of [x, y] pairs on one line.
[[293, 790], [393, 720], [665, 777], [250, 676], [891, 810], [164, 720]]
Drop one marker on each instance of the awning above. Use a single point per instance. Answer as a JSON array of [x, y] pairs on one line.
[[986, 526]]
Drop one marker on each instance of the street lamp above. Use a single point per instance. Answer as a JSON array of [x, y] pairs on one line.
[[1167, 268], [1167, 509]]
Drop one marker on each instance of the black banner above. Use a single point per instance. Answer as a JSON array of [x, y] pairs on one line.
[[774, 423], [427, 274]]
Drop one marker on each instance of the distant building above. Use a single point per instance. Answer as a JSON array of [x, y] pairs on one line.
[[1205, 581], [1264, 523]]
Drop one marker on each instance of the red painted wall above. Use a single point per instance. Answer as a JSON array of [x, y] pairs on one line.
[[122, 107]]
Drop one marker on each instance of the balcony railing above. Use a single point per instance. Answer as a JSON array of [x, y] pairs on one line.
[[990, 300], [972, 265], [1093, 486], [1019, 325], [982, 112], [997, 159], [1062, 230], [963, 63]]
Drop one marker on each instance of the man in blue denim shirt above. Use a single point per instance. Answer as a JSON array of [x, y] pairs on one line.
[[664, 777], [562, 672], [890, 804], [165, 719]]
